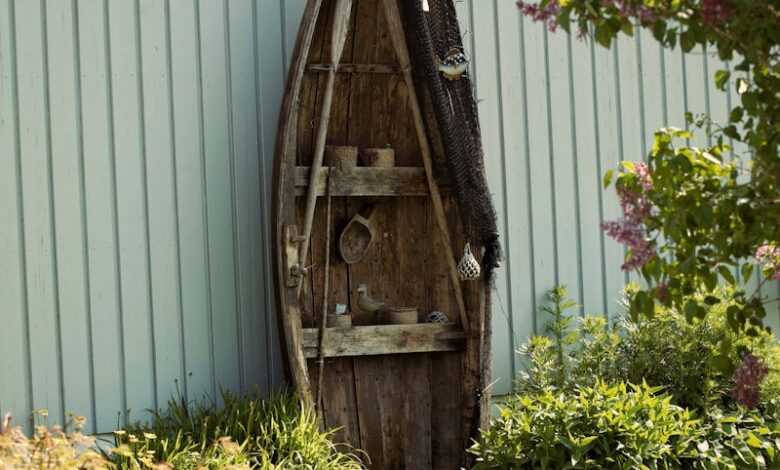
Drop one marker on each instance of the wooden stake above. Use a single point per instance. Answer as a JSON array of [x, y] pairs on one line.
[[402, 51], [324, 318], [341, 18]]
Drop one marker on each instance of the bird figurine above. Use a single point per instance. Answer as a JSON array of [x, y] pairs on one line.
[[454, 64], [366, 303]]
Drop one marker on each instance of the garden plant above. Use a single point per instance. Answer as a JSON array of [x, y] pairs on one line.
[[639, 394], [244, 432], [695, 218]]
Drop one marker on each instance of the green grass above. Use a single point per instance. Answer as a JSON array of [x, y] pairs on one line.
[[245, 432]]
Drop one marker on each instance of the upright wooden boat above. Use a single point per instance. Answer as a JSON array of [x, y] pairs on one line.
[[410, 395]]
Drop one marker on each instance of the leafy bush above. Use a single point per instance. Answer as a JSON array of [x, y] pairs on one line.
[[278, 434], [687, 358], [621, 427], [53, 448]]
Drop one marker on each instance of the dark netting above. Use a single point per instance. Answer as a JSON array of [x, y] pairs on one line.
[[435, 33]]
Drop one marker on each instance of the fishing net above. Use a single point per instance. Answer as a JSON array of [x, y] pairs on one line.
[[435, 33]]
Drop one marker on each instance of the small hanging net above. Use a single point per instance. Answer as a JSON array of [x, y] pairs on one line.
[[435, 34]]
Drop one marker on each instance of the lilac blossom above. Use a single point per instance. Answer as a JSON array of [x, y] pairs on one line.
[[747, 381], [768, 255], [714, 12], [630, 229], [547, 15]]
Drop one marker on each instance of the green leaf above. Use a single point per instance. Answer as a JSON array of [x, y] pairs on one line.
[[727, 275], [721, 362], [722, 78], [627, 28], [604, 35], [736, 114], [687, 41], [608, 178], [753, 441], [711, 300], [747, 272]]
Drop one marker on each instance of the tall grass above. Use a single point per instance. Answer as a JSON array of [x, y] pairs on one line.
[[245, 432]]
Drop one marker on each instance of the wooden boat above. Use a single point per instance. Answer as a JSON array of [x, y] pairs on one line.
[[410, 395]]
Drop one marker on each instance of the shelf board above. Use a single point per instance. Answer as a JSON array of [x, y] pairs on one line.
[[385, 339], [357, 68], [367, 181]]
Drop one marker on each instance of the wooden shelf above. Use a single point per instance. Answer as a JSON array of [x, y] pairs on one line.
[[357, 68], [367, 181], [385, 339]]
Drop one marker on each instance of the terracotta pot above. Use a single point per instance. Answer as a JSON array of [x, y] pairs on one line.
[[344, 158], [401, 316], [379, 157]]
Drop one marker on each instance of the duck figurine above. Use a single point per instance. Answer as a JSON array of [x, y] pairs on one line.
[[454, 64], [366, 303]]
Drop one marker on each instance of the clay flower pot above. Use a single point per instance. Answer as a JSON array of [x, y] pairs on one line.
[[401, 315], [345, 158], [379, 157]]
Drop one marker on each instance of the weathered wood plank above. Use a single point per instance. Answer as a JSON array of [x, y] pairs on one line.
[[385, 339], [366, 181], [356, 68]]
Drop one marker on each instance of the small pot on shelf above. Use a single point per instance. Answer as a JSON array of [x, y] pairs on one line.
[[401, 316], [378, 157], [341, 157]]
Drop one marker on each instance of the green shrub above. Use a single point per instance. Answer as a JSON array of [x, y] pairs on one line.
[[277, 434], [693, 360], [621, 427]]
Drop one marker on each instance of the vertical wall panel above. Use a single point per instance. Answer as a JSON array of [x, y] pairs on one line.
[[98, 175], [540, 150], [160, 159], [136, 157], [68, 197], [132, 207], [243, 96], [513, 312], [588, 177], [39, 230], [269, 75], [487, 67], [191, 197], [14, 350], [563, 156], [219, 159]]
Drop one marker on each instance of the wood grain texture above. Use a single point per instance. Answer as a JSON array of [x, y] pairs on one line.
[[365, 181], [384, 397], [385, 339]]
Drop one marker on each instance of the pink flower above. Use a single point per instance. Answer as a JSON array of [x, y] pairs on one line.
[[714, 12], [630, 229], [747, 381], [768, 255], [547, 15]]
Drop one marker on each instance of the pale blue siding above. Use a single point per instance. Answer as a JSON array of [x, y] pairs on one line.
[[136, 146]]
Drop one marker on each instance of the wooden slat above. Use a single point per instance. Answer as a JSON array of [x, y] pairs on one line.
[[385, 339], [366, 181], [356, 68]]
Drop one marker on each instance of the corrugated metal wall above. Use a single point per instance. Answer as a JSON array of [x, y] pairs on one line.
[[136, 140]]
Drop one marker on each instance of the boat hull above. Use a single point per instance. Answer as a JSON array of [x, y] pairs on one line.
[[410, 396]]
